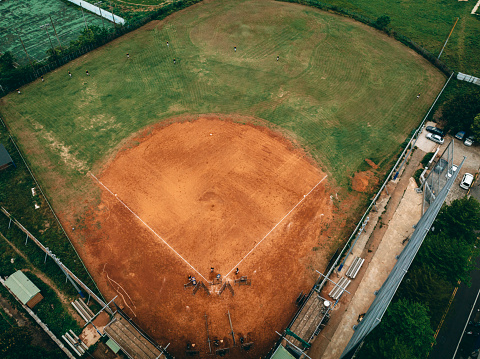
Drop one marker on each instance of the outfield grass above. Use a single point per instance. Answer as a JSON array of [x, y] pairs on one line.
[[342, 90], [428, 23]]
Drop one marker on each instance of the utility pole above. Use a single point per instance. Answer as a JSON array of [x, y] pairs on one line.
[[24, 49], [45, 26], [103, 21], [113, 16], [56, 33], [86, 26]]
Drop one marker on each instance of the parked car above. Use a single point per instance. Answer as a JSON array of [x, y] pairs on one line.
[[435, 138], [451, 171], [467, 181], [440, 165], [460, 135], [469, 141], [435, 131]]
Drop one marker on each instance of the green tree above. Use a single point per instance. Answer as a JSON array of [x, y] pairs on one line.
[[424, 285], [382, 22], [404, 332], [6, 62], [459, 112], [448, 256], [459, 220], [475, 128]]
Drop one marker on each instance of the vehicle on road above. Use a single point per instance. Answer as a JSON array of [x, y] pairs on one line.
[[435, 131], [435, 138], [469, 141], [467, 181], [451, 171], [460, 135]]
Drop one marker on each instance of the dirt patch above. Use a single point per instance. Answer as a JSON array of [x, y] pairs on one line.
[[213, 193], [371, 163], [364, 181]]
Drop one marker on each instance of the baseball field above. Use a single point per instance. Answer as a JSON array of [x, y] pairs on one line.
[[236, 134]]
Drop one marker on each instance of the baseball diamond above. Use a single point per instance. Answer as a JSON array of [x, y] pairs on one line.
[[213, 169]]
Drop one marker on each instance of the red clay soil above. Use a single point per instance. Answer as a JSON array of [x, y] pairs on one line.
[[212, 190], [364, 181]]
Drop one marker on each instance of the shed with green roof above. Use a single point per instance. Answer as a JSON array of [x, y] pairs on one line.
[[23, 289]]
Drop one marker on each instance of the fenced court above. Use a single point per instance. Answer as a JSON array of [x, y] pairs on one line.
[[25, 21]]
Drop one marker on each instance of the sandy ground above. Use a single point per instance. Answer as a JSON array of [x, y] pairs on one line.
[[211, 193], [391, 222], [400, 227]]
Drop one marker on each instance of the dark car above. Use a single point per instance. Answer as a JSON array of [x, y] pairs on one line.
[[460, 135], [435, 131]]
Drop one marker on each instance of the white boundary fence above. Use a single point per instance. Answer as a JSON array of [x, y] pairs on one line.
[[100, 12], [468, 78]]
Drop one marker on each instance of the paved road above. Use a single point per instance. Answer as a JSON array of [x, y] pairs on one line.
[[452, 329]]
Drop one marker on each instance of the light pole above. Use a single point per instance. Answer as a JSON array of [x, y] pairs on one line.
[[56, 33], [81, 7], [96, 4], [45, 26]]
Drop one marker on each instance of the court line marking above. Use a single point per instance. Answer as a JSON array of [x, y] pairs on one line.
[[303, 199], [150, 228]]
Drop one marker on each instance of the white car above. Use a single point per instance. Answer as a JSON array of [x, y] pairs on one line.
[[469, 141], [435, 138], [451, 171], [467, 181]]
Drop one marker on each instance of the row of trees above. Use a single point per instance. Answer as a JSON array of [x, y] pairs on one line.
[[407, 329], [462, 112]]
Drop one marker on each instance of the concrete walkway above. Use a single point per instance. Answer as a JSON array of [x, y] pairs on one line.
[[399, 228], [398, 209]]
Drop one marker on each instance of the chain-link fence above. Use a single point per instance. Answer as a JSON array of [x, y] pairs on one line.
[[440, 171]]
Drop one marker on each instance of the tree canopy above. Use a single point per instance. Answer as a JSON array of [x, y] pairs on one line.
[[460, 111], [404, 332], [475, 128]]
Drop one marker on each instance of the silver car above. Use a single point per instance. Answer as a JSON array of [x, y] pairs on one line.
[[435, 138], [469, 141]]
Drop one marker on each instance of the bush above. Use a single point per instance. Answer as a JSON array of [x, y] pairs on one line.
[[427, 159], [416, 176]]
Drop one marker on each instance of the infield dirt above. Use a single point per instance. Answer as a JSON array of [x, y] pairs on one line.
[[212, 190]]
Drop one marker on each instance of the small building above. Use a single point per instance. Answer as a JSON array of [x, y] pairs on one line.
[[5, 159], [24, 289]]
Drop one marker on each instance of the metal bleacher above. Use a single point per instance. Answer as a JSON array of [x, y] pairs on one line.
[[338, 290], [355, 267]]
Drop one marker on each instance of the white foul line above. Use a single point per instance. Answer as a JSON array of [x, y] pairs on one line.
[[468, 318], [236, 266], [146, 225]]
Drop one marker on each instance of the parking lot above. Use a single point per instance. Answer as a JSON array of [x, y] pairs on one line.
[[471, 165]]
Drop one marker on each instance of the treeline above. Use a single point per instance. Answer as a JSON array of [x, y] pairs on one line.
[[446, 257], [90, 38]]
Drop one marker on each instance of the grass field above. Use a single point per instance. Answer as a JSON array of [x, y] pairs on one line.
[[342, 90], [428, 23]]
